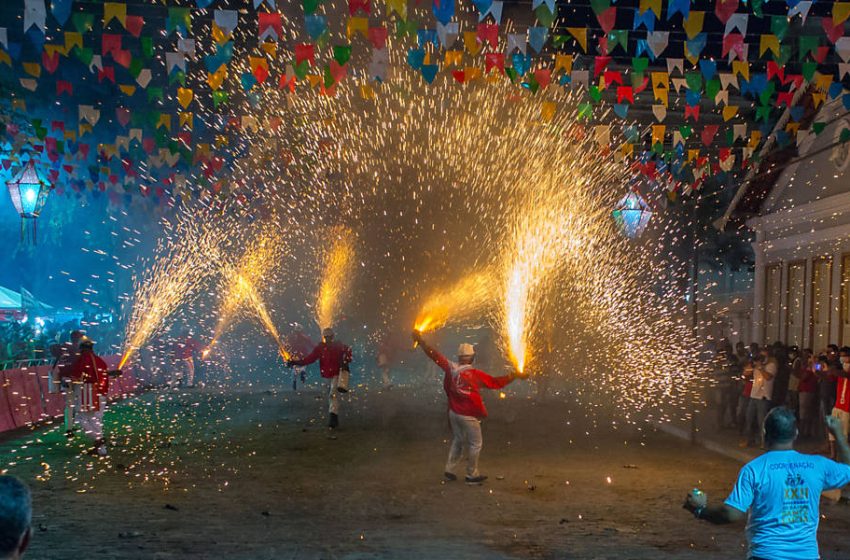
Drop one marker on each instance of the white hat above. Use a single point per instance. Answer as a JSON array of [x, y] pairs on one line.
[[466, 349]]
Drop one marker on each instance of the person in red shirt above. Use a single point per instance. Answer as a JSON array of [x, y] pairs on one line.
[[462, 383], [841, 409], [184, 359], [299, 346], [91, 374], [333, 356], [66, 355]]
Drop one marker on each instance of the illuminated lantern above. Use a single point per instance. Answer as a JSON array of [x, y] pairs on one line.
[[632, 214], [29, 193]]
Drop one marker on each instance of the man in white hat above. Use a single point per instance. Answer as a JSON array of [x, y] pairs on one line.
[[466, 407]]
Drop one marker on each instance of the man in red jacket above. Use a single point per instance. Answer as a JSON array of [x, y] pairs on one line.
[[333, 356], [91, 374], [466, 408], [66, 355]]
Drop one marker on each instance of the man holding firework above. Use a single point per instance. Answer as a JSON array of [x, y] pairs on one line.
[[333, 357], [91, 374], [462, 383]]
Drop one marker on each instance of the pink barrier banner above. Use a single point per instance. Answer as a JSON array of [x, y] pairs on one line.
[[25, 396]]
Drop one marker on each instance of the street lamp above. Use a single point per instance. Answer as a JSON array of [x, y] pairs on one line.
[[29, 193], [632, 214]]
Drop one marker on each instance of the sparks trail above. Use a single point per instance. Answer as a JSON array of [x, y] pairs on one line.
[[184, 259], [523, 185], [458, 302], [241, 286], [337, 271]]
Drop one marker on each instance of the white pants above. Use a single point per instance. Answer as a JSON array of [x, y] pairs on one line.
[[92, 421], [333, 395], [72, 403], [185, 368], [466, 442], [844, 417]]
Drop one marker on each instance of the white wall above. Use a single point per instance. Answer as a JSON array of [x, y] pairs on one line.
[[807, 217]]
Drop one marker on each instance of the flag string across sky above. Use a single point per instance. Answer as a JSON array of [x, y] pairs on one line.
[[697, 88]]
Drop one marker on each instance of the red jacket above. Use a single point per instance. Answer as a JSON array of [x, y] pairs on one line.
[[92, 372], [331, 358], [462, 383]]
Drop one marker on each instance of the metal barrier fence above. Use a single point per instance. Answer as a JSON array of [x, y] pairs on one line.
[[26, 397], [18, 364]]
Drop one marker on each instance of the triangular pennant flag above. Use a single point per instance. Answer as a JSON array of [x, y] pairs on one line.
[[35, 14], [61, 10], [448, 33], [693, 25], [724, 9], [737, 22], [580, 35], [801, 9], [658, 41], [840, 12]]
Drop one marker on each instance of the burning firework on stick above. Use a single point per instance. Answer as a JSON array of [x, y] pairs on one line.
[[461, 301]]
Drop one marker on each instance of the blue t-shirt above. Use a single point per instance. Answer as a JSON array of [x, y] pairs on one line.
[[781, 490]]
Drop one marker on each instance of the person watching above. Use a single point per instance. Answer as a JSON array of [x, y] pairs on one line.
[[15, 518], [781, 490]]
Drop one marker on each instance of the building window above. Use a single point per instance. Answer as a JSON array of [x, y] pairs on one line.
[[821, 295], [795, 296], [772, 302], [844, 336]]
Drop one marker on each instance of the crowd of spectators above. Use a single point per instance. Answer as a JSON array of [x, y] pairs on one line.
[[751, 380], [23, 342]]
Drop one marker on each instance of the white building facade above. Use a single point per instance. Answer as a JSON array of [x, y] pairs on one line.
[[802, 246]]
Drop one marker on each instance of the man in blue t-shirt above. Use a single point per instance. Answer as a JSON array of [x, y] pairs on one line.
[[781, 490]]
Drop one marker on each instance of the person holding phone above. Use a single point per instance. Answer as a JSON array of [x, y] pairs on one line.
[[764, 374]]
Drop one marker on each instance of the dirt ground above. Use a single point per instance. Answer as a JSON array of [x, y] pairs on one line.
[[251, 473]]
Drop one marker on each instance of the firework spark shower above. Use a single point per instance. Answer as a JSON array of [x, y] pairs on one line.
[[336, 276], [241, 285], [184, 260], [522, 194]]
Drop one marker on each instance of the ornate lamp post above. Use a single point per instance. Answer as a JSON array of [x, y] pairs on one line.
[[29, 193]]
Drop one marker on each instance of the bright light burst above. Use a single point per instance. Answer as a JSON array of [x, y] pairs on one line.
[[457, 303], [337, 271], [240, 291], [185, 258], [488, 178], [247, 293]]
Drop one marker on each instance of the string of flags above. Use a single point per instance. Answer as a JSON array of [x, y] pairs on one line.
[[154, 99]]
